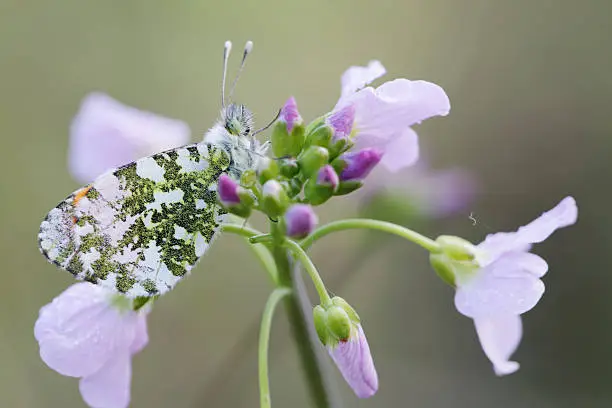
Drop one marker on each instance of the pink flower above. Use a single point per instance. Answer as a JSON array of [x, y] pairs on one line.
[[354, 360], [87, 333], [106, 134], [383, 116], [507, 283]]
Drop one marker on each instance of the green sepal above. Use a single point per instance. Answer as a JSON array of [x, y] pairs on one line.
[[346, 187], [320, 136], [339, 323], [340, 302], [274, 199], [320, 322], [455, 261], [268, 169], [312, 160], [289, 167], [285, 143], [317, 194]]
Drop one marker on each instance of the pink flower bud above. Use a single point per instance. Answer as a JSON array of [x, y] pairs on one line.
[[301, 220], [228, 191], [359, 164]]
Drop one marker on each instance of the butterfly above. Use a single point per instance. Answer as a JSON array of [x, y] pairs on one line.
[[140, 228]]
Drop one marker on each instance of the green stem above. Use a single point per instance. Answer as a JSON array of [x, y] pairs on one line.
[[264, 340], [301, 328], [241, 230], [363, 223], [311, 269]]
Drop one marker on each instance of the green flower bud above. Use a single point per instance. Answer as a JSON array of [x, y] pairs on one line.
[[312, 160], [268, 169], [321, 135], [248, 179], [274, 199], [289, 168], [321, 188], [336, 323]]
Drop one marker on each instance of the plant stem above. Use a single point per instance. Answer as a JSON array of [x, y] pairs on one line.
[[363, 223], [312, 271], [304, 339], [264, 340]]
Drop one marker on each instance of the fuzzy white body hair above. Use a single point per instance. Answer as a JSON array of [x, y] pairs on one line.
[[234, 133]]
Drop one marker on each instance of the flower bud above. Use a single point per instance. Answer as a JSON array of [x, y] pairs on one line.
[[267, 169], [300, 220], [248, 179], [339, 329], [319, 189], [289, 167], [288, 132], [274, 199], [341, 122], [313, 159], [455, 260], [228, 191], [354, 167]]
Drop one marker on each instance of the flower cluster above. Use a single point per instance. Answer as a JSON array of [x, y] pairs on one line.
[[92, 334]]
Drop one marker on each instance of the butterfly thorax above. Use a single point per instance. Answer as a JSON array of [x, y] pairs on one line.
[[234, 133]]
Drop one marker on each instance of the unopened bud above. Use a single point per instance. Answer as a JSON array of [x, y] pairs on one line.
[[321, 188], [274, 198], [313, 159], [267, 169], [288, 132], [300, 220]]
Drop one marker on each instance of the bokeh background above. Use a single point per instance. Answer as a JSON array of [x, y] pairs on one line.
[[531, 92]]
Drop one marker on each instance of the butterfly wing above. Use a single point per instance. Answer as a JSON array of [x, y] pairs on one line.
[[140, 228]]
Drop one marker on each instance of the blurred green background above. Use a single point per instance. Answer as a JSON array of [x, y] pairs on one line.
[[530, 86]]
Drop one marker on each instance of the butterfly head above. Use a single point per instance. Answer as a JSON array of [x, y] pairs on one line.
[[237, 120]]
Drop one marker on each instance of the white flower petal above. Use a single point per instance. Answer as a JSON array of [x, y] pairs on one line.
[[354, 360], [106, 133], [385, 112], [110, 386], [78, 331], [504, 287], [401, 151], [562, 215], [499, 337], [357, 77]]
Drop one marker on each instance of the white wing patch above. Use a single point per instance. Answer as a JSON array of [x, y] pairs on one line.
[[140, 228]]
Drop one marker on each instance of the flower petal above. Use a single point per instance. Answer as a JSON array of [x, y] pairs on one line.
[[106, 133], [110, 386], [141, 335], [354, 361], [382, 113], [499, 337], [562, 215], [78, 331], [356, 77], [505, 287], [401, 151]]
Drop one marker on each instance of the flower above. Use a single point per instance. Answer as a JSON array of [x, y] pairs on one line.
[[87, 333], [383, 116], [506, 283], [301, 220], [359, 164], [106, 134], [354, 360]]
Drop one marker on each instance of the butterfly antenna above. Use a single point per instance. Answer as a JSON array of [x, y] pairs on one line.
[[248, 47], [226, 52], [269, 124]]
